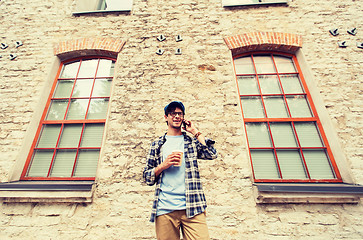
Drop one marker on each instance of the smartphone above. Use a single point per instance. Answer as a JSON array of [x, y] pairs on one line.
[[184, 125]]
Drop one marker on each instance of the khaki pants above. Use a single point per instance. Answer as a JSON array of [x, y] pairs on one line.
[[168, 226]]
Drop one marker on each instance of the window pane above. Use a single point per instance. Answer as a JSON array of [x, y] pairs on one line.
[[264, 164], [106, 68], [102, 5], [63, 163], [252, 107], [88, 68], [283, 135], [247, 85], [83, 88], [64, 89], [244, 65], [269, 84], [264, 64], [98, 109], [92, 135], [318, 164], [115, 5], [291, 84], [102, 88], [291, 164], [298, 106], [70, 70], [40, 164], [284, 64], [57, 110], [77, 109], [87, 163], [275, 107], [70, 136], [308, 134], [258, 135], [49, 136]]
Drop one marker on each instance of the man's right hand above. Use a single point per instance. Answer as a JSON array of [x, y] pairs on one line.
[[171, 160]]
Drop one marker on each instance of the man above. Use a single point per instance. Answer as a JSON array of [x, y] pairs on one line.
[[179, 201]]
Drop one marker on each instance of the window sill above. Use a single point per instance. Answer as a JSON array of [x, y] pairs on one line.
[[234, 3], [38, 191], [267, 193], [101, 11]]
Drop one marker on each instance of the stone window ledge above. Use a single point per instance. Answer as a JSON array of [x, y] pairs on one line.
[[266, 193], [234, 3], [40, 191], [125, 11]]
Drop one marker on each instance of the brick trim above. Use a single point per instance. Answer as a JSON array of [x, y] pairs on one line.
[[88, 46], [264, 41]]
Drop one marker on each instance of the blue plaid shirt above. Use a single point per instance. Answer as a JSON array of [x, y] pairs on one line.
[[194, 195]]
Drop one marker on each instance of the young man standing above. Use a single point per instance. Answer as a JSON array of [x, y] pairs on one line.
[[172, 165]]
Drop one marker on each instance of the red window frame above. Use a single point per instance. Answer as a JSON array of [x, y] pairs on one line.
[[291, 120], [84, 121]]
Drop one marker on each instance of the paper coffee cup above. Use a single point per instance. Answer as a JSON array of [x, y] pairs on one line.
[[180, 159]]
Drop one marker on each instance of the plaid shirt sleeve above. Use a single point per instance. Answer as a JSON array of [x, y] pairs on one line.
[[153, 159], [206, 151], [151, 163]]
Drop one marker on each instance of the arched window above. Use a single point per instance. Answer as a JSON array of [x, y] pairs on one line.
[[285, 138], [69, 137]]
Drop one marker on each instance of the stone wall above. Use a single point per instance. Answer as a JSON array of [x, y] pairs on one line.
[[203, 78]]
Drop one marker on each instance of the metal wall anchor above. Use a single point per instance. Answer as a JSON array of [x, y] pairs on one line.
[[160, 51], [18, 44], [12, 56], [334, 32], [342, 44], [4, 46], [161, 38], [352, 31], [178, 38]]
